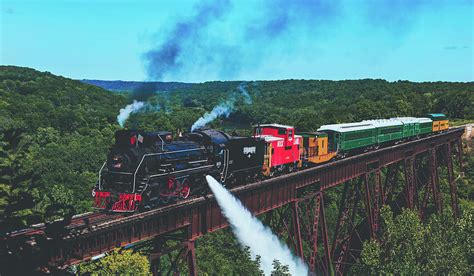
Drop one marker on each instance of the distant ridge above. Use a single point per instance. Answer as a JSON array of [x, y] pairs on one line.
[[123, 86]]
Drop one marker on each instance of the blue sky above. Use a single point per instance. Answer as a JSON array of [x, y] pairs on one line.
[[196, 41]]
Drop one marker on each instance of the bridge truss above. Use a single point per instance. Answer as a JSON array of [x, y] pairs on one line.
[[406, 175]]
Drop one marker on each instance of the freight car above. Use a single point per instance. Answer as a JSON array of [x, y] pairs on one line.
[[146, 169]]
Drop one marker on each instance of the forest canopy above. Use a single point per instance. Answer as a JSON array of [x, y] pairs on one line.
[[55, 131]]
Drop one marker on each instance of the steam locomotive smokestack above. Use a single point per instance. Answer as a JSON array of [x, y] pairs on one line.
[[252, 233]]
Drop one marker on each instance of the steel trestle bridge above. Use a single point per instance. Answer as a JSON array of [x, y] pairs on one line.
[[292, 203]]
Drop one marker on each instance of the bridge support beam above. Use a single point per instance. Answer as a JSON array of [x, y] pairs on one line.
[[346, 226], [297, 230], [390, 181], [191, 258], [177, 250], [459, 154], [310, 228], [373, 195], [434, 180], [409, 181], [452, 183]]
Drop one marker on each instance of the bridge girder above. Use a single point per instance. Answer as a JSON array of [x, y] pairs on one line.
[[302, 194]]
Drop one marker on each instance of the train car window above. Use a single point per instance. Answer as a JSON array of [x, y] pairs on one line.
[[391, 130], [358, 135], [322, 144], [258, 131], [281, 131], [423, 125], [273, 151]]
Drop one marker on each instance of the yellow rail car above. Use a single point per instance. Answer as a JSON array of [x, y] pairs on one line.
[[315, 148], [440, 122]]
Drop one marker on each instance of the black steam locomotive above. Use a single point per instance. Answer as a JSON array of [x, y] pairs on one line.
[[146, 169]]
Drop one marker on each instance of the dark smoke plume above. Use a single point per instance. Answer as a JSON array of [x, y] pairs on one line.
[[230, 39], [167, 57]]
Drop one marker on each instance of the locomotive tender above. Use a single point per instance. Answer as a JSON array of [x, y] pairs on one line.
[[146, 169]]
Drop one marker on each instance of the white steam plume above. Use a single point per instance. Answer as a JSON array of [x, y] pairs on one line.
[[252, 233], [224, 108], [243, 90], [129, 109]]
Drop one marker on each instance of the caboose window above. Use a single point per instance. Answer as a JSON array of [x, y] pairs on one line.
[[281, 131]]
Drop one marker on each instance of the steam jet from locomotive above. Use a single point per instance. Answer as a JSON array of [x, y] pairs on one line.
[[146, 169]]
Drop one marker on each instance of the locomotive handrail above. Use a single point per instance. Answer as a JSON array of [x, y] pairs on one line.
[[121, 172], [100, 172], [180, 171], [156, 154]]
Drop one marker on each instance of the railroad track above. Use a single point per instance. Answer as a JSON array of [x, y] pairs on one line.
[[87, 221], [77, 222]]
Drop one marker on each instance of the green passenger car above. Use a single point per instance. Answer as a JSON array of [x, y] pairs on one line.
[[414, 126], [344, 137], [387, 130], [426, 126], [373, 133]]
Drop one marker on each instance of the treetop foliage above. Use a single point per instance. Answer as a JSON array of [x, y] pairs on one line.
[[407, 246]]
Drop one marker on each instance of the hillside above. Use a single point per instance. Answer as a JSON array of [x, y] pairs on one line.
[[126, 86], [31, 99], [307, 104], [54, 134]]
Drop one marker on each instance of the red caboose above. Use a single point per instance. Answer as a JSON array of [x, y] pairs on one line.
[[282, 151]]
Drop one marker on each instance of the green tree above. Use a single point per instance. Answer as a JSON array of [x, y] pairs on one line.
[[401, 244], [220, 253], [17, 194], [407, 246], [124, 262], [279, 269]]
